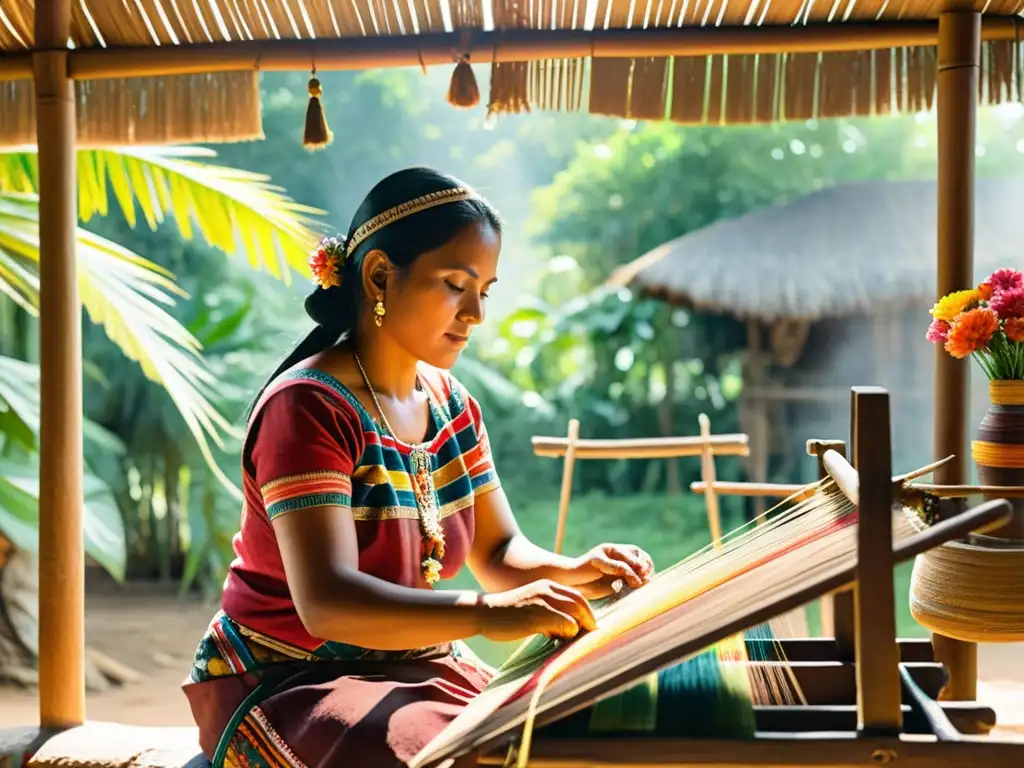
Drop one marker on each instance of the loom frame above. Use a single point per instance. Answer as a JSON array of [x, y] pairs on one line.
[[884, 680]]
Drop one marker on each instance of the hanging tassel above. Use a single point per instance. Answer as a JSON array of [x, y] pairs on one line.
[[463, 90], [317, 135]]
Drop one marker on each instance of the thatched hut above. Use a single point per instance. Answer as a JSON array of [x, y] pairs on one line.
[[835, 288]]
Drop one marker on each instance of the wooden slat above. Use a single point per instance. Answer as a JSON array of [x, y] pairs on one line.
[[832, 750], [877, 656]]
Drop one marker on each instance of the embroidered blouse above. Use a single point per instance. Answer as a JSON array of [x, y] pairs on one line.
[[312, 443]]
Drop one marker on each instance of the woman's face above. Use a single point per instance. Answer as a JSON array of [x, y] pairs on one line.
[[434, 305]]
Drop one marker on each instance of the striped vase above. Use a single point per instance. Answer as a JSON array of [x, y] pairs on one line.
[[999, 450], [974, 590]]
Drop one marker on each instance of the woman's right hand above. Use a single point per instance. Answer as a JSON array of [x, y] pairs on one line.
[[540, 607]]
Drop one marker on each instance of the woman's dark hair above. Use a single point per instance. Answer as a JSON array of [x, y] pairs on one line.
[[336, 310]]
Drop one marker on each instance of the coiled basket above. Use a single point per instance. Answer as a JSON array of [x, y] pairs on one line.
[[974, 590]]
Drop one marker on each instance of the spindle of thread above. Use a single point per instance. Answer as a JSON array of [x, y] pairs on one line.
[[970, 593]]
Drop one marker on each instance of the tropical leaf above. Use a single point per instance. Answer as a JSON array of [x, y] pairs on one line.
[[19, 515], [19, 411], [233, 210], [19, 476], [126, 294]]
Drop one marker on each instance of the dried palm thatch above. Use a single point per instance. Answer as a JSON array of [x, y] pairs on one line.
[[843, 250], [183, 109], [563, 66]]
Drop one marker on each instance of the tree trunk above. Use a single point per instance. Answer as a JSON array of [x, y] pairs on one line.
[[19, 628], [19, 618], [666, 422]]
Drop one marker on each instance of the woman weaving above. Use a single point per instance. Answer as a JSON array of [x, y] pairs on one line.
[[367, 479]]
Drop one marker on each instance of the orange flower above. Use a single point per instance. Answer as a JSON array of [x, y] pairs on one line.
[[970, 331], [952, 304], [1014, 328], [985, 291], [326, 261]]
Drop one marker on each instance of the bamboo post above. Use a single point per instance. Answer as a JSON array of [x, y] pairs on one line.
[[707, 471], [959, 56], [879, 691], [61, 545], [566, 492]]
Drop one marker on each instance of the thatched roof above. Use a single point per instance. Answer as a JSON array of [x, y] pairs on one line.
[[840, 251], [689, 62]]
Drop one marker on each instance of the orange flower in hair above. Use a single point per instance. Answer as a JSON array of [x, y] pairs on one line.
[[326, 261], [971, 331]]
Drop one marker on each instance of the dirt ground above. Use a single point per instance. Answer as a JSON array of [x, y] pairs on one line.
[[155, 633]]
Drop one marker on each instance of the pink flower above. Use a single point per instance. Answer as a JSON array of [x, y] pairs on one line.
[[1005, 279], [1008, 303], [937, 332]]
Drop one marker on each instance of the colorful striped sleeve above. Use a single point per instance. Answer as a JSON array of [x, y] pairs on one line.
[[479, 462], [305, 450]]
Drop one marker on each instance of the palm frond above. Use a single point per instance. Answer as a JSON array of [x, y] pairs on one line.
[[19, 411], [19, 473], [127, 295], [232, 210], [19, 515]]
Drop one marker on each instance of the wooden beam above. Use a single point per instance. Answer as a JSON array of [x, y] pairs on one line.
[[61, 545], [824, 649], [488, 46], [968, 719], [879, 689], [835, 750], [776, 490], [959, 57], [641, 447]]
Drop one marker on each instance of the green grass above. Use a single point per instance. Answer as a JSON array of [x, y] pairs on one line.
[[669, 528]]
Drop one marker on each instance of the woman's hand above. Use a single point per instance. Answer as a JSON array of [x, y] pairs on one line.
[[596, 572], [541, 607]]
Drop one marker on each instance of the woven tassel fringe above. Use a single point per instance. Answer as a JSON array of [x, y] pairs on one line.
[[316, 135], [463, 90]]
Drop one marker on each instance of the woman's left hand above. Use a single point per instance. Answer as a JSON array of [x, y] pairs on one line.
[[596, 572]]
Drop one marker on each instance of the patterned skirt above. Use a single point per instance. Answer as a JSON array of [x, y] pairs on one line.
[[262, 704]]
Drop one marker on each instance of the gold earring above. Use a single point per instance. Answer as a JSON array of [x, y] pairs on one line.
[[379, 311]]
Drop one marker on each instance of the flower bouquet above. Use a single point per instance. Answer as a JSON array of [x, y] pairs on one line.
[[986, 322], [967, 589]]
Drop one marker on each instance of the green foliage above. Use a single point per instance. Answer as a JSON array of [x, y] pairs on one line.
[[19, 473], [646, 184], [132, 299]]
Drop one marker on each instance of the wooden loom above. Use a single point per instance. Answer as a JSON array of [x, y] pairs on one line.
[[896, 718]]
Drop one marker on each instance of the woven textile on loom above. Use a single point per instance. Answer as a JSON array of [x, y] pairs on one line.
[[631, 665]]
